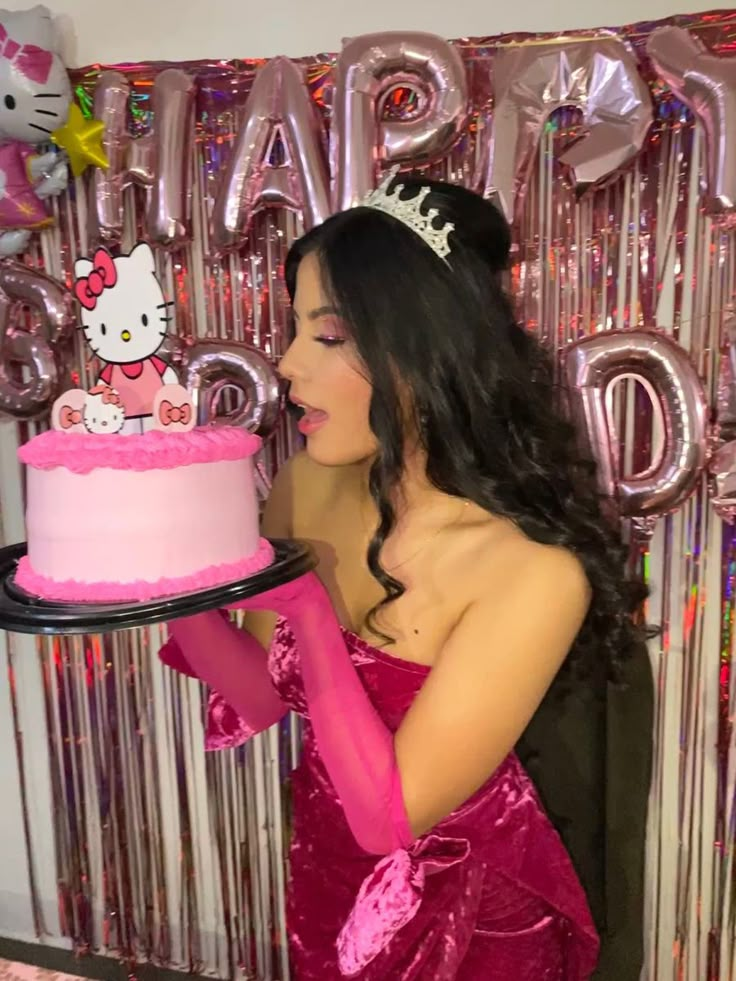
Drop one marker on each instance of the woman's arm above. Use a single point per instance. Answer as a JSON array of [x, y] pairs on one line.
[[490, 677], [230, 660], [489, 680]]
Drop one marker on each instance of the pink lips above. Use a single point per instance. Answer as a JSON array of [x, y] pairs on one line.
[[311, 421]]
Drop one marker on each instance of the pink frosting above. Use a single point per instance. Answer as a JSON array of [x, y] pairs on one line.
[[72, 591], [154, 450]]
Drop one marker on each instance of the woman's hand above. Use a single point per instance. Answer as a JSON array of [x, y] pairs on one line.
[[296, 599]]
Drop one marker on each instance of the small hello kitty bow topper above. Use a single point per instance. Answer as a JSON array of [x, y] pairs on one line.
[[98, 411], [67, 412], [173, 410], [125, 318]]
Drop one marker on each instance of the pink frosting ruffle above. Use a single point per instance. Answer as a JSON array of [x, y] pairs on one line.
[[73, 591], [154, 450]]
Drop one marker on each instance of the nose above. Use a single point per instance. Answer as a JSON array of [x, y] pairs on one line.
[[290, 367], [125, 335]]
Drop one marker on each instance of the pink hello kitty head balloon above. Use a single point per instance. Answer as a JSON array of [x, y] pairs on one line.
[[35, 92]]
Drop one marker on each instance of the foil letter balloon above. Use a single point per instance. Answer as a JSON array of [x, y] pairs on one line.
[[592, 367], [726, 393], [369, 68], [211, 366], [530, 82], [722, 463], [159, 161], [706, 83], [32, 369], [278, 109]]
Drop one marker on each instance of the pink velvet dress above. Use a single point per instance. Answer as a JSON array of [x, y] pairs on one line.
[[489, 895]]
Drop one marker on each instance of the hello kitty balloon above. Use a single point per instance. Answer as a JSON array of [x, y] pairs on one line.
[[125, 316], [35, 96]]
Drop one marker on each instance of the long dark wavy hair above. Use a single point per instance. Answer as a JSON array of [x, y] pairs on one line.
[[489, 412]]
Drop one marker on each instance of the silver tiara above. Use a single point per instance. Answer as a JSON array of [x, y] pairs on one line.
[[410, 213]]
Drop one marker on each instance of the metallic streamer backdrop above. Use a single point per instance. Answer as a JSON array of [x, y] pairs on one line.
[[166, 855]]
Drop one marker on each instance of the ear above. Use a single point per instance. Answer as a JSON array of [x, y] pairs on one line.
[[82, 267], [64, 38], [142, 259], [34, 26]]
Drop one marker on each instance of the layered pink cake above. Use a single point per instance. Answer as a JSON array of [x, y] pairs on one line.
[[131, 518]]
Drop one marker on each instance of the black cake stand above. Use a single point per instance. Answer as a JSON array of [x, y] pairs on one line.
[[23, 613]]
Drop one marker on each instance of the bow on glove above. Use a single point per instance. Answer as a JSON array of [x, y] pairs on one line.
[[242, 700]]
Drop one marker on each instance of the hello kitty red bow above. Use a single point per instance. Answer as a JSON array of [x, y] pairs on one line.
[[29, 60], [104, 275], [109, 395]]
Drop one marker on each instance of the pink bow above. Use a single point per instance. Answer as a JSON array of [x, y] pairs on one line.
[[29, 60], [169, 413], [69, 417], [104, 275], [109, 395], [224, 728], [390, 898]]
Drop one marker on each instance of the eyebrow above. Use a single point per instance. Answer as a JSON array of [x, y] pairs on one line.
[[326, 311]]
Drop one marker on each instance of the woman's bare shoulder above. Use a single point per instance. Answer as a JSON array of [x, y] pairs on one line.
[[491, 552]]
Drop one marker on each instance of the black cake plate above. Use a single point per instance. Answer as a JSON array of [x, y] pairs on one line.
[[23, 613]]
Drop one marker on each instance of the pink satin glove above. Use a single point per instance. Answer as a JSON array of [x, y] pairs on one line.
[[355, 745]]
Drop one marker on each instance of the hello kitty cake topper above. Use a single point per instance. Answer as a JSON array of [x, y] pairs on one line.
[[125, 317], [100, 410]]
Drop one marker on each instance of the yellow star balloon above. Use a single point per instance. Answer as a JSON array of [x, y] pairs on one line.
[[82, 140]]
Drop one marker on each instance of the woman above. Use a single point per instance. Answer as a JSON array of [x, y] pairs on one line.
[[472, 598]]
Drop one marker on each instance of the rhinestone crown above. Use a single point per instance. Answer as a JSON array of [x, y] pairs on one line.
[[410, 213]]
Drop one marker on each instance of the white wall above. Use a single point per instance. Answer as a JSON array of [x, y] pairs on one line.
[[135, 30]]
